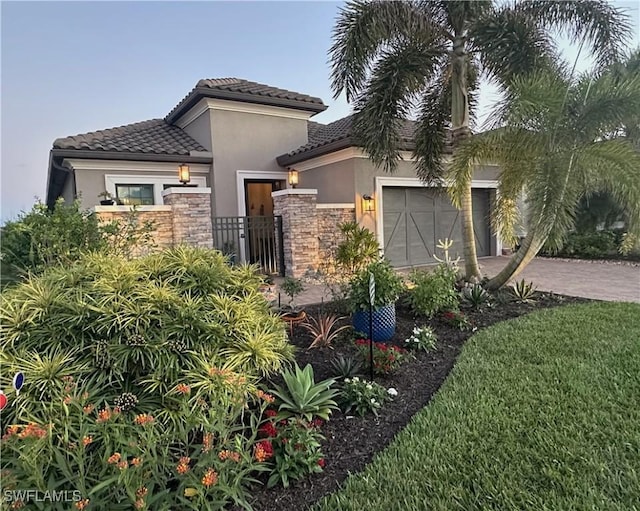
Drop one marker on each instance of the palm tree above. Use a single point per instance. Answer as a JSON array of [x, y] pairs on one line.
[[391, 58], [559, 139]]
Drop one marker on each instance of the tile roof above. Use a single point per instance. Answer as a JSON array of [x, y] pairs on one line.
[[242, 90], [321, 135], [153, 137], [257, 89]]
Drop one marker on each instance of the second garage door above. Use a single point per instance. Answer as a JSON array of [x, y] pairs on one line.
[[414, 219]]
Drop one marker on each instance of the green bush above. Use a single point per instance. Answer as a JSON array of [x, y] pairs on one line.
[[362, 396], [434, 291], [358, 249], [388, 286], [43, 238], [154, 359], [144, 323]]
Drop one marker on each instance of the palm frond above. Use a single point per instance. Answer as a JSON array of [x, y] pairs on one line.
[[382, 109], [510, 44], [364, 29], [604, 27]]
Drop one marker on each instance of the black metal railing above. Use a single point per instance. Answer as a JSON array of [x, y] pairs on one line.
[[253, 239]]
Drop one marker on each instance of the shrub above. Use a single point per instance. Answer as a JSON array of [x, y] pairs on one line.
[[42, 238], [458, 320], [388, 286], [296, 451], [435, 291], [292, 287], [422, 338], [139, 326], [153, 362], [589, 245], [358, 249], [363, 396], [302, 397], [387, 358]]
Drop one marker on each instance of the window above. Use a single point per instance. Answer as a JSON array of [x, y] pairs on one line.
[[134, 194]]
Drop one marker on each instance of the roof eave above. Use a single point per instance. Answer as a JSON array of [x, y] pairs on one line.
[[115, 155], [205, 92], [290, 159]]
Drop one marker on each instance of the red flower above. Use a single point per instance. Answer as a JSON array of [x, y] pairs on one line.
[[270, 413], [268, 430], [321, 462], [317, 423]]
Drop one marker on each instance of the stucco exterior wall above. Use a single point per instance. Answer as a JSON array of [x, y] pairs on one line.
[[248, 141], [69, 189], [92, 182], [334, 182], [200, 130]]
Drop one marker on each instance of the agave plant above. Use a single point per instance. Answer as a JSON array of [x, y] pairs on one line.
[[523, 291], [324, 329], [302, 397], [346, 367], [475, 296]]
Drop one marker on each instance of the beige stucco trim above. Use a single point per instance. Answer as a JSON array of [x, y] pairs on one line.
[[382, 181], [206, 104], [336, 205], [295, 191], [132, 166], [341, 155], [118, 209], [186, 190]]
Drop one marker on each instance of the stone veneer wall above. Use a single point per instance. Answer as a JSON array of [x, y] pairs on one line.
[[329, 235], [191, 215], [162, 219], [185, 217], [300, 229]]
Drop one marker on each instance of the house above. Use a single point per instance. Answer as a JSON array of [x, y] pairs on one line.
[[245, 145]]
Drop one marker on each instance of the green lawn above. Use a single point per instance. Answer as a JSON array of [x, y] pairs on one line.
[[540, 413]]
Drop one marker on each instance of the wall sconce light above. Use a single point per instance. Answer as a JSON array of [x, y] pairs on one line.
[[368, 205], [184, 174], [293, 178]]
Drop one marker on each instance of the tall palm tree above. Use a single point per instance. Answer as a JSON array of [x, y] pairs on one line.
[[393, 57], [558, 139]]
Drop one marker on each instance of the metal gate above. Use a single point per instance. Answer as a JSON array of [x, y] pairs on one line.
[[252, 239]]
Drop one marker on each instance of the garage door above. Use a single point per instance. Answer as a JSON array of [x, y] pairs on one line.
[[415, 219]]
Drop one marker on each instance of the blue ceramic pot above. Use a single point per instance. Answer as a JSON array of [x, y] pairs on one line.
[[384, 322]]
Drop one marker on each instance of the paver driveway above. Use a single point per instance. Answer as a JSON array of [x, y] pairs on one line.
[[604, 281]]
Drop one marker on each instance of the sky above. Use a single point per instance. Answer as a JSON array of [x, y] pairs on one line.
[[74, 67]]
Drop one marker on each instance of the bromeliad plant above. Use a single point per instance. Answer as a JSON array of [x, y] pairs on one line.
[[301, 397], [387, 358], [324, 329], [346, 367]]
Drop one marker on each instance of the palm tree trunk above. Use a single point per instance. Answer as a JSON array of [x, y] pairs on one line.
[[527, 251], [461, 131]]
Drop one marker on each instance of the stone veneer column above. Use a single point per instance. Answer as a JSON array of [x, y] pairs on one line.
[[191, 208], [297, 207]]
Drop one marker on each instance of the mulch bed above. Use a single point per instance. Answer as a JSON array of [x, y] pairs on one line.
[[351, 442]]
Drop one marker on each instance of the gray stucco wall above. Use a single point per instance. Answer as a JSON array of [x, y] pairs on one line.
[[246, 141], [334, 182], [92, 182], [69, 190], [200, 130]]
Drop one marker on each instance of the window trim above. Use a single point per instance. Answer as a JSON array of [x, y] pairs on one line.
[[110, 181]]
